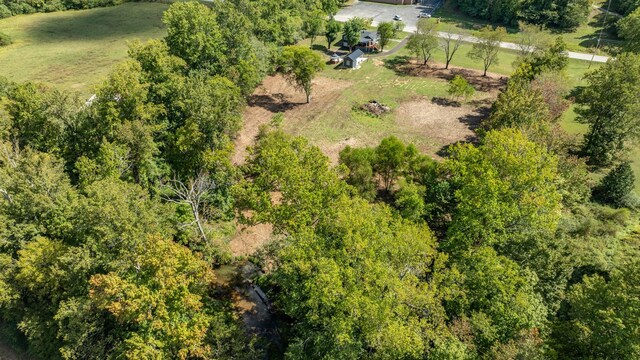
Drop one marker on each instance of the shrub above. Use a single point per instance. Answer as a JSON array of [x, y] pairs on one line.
[[615, 188], [459, 87], [4, 11], [5, 39]]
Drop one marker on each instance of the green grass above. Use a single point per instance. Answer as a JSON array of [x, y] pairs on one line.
[[575, 70], [582, 39], [571, 126], [340, 120], [75, 50]]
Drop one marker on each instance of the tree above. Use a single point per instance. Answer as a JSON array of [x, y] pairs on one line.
[[193, 193], [573, 14], [459, 87], [552, 59], [554, 90], [488, 46], [160, 307], [194, 34], [409, 200], [531, 39], [598, 306], [299, 66], [298, 172], [314, 25], [335, 298], [503, 200], [398, 26], [361, 175], [390, 159], [616, 187], [385, 33], [625, 7], [39, 116], [217, 40], [351, 31], [332, 31], [519, 106], [629, 30], [497, 297], [450, 44], [609, 105], [424, 41]]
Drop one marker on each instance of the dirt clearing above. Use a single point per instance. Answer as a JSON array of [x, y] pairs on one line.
[[276, 95], [442, 125]]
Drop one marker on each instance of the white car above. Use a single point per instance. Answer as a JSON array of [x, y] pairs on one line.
[[397, 18], [425, 16]]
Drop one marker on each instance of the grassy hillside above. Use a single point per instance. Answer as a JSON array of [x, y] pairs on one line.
[[75, 49]]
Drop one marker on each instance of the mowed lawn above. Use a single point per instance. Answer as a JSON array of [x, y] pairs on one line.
[[75, 50]]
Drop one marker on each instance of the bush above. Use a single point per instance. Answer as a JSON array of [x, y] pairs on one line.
[[615, 188], [5, 39], [4, 11], [459, 87]]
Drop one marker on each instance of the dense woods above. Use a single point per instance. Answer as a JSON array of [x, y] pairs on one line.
[[506, 249]]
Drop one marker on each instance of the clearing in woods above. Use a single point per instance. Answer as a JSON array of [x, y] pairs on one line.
[[333, 120]]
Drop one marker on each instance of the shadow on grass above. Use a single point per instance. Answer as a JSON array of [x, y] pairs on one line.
[[397, 63], [100, 23]]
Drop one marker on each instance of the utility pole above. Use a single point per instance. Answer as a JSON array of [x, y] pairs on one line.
[[604, 21]]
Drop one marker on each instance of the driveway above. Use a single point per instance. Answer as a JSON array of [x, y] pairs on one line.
[[385, 12]]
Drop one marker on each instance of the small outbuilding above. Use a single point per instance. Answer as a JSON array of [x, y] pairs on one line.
[[353, 60]]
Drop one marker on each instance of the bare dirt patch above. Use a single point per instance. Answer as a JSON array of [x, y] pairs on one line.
[[443, 125], [490, 83], [276, 95], [248, 239]]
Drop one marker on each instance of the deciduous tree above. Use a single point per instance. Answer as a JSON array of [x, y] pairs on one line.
[[609, 105], [503, 200], [629, 30], [332, 31], [488, 46], [299, 65], [385, 33], [424, 42]]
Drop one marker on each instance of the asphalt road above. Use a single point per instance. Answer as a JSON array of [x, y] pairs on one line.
[[409, 13]]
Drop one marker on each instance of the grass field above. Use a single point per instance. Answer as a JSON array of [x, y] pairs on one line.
[[75, 49], [583, 39]]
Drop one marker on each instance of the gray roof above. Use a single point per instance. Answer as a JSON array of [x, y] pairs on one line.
[[354, 55], [366, 36]]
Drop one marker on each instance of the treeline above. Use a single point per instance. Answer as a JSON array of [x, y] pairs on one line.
[[16, 7], [113, 210], [628, 27], [564, 14]]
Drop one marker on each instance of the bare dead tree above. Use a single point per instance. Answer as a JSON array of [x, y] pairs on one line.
[[192, 193]]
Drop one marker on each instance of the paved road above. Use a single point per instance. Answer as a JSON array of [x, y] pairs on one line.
[[512, 46], [409, 13]]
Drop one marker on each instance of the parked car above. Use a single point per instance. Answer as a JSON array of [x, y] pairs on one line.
[[425, 16], [397, 18]]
